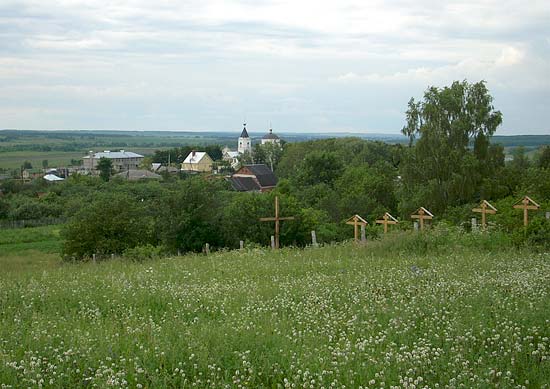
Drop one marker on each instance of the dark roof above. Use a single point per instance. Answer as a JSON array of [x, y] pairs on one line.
[[244, 134], [270, 135], [134, 175], [264, 174], [244, 184]]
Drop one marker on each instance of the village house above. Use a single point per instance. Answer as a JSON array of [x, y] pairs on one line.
[[197, 161], [253, 178], [122, 160], [30, 174], [232, 157]]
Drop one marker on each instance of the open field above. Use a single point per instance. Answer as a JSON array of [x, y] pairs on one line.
[[59, 147], [376, 316]]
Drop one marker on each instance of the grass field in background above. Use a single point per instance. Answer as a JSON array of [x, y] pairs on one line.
[[14, 159], [406, 310], [24, 250]]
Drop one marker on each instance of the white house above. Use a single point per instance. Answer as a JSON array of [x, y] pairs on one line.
[[232, 157]]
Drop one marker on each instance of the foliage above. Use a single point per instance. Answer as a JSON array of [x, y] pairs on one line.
[[105, 167], [544, 158], [110, 224], [143, 253], [269, 154], [535, 235], [189, 217], [441, 164]]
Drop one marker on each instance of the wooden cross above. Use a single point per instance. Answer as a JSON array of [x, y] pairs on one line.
[[484, 208], [387, 219], [276, 219], [422, 214], [356, 221], [526, 204]]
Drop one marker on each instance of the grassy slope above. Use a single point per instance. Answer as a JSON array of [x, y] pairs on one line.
[[27, 249], [340, 314]]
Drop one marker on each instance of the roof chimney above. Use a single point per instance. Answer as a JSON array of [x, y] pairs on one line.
[[193, 153]]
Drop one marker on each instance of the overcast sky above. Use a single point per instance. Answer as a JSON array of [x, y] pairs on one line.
[[303, 65]]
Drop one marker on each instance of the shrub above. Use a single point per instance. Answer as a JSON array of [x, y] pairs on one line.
[[536, 234], [111, 224], [143, 253]]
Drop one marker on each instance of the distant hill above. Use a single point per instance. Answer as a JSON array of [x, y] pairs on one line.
[[529, 141]]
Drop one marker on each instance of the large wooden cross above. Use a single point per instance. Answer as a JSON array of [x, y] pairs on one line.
[[387, 219], [422, 214], [484, 208], [526, 204], [277, 220], [356, 221]]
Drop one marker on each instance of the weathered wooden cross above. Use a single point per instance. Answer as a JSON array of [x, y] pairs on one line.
[[484, 208], [526, 204], [422, 214], [387, 219], [356, 221], [276, 219]]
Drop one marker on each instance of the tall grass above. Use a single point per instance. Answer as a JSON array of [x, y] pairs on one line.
[[409, 309]]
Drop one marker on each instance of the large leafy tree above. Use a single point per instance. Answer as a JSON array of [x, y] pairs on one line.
[[110, 224], [452, 155]]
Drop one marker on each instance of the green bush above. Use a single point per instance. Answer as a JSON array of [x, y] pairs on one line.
[[536, 234], [111, 224], [143, 253]]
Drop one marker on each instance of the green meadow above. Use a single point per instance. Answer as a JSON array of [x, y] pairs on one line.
[[437, 309]]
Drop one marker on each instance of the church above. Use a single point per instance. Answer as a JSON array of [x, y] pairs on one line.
[[244, 145]]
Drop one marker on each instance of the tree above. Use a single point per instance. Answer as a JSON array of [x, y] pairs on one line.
[[45, 163], [319, 167], [26, 165], [544, 158], [451, 156], [269, 154], [105, 167], [189, 216], [110, 224], [520, 160]]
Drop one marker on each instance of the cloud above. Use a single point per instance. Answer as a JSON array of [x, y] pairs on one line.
[[310, 63]]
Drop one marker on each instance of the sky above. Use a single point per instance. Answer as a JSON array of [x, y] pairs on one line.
[[297, 65]]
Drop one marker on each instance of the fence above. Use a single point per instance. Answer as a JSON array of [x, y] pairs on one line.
[[31, 223]]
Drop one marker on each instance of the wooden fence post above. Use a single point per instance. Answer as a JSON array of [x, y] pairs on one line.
[[313, 238]]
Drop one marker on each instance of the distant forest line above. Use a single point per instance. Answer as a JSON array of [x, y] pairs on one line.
[[81, 141]]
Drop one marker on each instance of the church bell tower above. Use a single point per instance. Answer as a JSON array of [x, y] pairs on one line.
[[245, 143]]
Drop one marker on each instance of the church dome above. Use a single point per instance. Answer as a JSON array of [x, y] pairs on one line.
[[270, 135]]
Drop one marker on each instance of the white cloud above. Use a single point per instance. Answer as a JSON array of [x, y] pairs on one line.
[[272, 57]]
